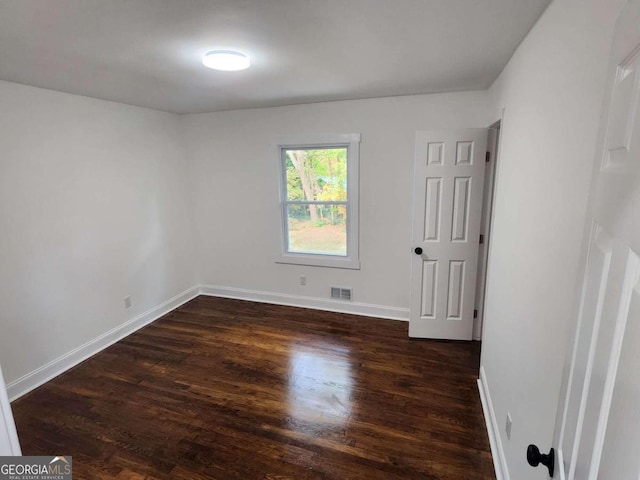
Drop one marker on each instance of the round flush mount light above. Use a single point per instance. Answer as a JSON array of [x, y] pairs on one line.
[[227, 60]]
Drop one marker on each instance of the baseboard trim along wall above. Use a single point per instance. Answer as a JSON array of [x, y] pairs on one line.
[[497, 452], [41, 375], [364, 309]]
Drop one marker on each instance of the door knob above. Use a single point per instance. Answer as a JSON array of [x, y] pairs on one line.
[[535, 458], [418, 251]]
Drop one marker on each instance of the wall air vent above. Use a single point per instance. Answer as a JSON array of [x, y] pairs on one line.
[[340, 293]]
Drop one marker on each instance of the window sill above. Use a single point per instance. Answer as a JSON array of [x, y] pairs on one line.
[[319, 261]]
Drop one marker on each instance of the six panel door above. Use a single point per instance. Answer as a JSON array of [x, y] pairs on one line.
[[598, 431], [447, 207]]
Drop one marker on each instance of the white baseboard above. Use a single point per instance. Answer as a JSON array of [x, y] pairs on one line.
[[365, 309], [497, 452], [43, 374]]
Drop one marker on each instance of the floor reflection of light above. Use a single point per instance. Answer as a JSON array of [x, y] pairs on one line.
[[320, 387]]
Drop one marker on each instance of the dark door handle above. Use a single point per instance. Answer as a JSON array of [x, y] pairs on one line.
[[535, 458], [418, 251]]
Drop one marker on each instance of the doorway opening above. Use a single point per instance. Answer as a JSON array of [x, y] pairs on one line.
[[493, 142]]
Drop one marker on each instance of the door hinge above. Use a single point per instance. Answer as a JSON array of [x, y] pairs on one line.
[[487, 157], [475, 314], [481, 239]]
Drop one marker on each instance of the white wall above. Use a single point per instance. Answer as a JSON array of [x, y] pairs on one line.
[[94, 206], [552, 93], [235, 171]]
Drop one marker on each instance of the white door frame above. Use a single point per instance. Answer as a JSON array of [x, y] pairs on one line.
[[493, 149], [9, 443]]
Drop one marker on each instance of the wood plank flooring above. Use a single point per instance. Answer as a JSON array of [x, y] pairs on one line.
[[228, 389]]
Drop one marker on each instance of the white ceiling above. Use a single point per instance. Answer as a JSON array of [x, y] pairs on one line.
[[148, 52]]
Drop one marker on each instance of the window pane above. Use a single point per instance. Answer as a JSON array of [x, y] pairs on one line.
[[317, 229], [318, 174]]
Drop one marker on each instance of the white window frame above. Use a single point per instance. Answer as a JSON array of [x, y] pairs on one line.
[[352, 143]]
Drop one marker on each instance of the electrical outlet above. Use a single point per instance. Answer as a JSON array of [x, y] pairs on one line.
[[507, 426], [303, 280], [127, 301]]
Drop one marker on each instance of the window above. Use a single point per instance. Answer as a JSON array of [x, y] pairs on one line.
[[319, 200]]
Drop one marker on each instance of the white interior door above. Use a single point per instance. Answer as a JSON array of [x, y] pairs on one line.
[[9, 445], [447, 206], [598, 430]]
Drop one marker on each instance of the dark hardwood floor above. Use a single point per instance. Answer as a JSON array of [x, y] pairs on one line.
[[228, 389]]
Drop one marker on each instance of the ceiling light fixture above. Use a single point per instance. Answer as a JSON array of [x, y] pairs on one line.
[[227, 60]]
